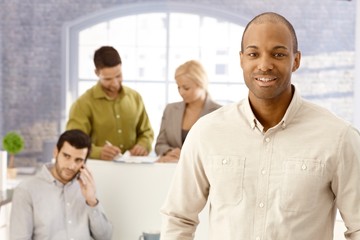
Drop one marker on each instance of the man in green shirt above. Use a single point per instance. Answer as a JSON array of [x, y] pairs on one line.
[[112, 114]]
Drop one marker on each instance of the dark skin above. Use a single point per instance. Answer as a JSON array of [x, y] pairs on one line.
[[268, 61]]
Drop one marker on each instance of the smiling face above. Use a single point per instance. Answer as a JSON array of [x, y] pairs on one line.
[[69, 160], [110, 79], [268, 61]]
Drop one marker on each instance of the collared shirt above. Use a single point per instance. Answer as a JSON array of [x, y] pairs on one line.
[[122, 121], [282, 184], [44, 208]]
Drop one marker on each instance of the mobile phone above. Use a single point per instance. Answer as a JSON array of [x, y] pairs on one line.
[[78, 173]]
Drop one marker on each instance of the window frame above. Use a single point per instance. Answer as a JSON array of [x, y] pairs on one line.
[[69, 91]]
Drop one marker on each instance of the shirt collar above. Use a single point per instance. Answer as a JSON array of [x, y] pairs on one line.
[[46, 174], [290, 113], [99, 93]]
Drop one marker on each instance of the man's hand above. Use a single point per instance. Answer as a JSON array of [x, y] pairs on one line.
[[87, 186], [109, 152], [138, 150]]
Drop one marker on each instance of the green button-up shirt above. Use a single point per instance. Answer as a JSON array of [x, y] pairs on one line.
[[122, 121]]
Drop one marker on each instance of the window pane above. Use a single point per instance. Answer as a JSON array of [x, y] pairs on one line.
[[179, 55], [153, 95], [227, 93], [184, 30], [122, 31], [94, 35], [85, 85], [153, 45], [86, 63], [151, 29], [173, 92]]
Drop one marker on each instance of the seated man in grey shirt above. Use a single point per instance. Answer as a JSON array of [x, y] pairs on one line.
[[60, 202]]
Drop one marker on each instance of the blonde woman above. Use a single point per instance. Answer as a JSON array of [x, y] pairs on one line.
[[179, 117]]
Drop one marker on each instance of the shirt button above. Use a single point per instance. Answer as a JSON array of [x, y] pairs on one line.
[[119, 131], [303, 167], [261, 205], [257, 238], [263, 172], [224, 161], [117, 116], [68, 204], [121, 146], [69, 221], [267, 139]]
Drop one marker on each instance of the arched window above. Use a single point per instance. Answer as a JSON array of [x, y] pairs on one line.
[[153, 39]]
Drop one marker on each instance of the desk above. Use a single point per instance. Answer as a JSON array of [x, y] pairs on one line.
[[132, 195]]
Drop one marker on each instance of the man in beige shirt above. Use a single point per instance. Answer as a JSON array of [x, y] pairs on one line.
[[273, 166], [60, 202]]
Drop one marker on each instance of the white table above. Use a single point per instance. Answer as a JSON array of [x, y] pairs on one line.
[[132, 195]]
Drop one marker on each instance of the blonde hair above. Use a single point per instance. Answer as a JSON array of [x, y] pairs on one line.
[[194, 71]]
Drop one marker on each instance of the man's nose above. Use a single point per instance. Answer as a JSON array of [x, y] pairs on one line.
[[265, 64], [72, 165], [114, 81]]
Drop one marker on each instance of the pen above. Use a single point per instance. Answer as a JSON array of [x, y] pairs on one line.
[[109, 144]]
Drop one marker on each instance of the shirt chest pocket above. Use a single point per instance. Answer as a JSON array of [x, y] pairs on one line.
[[226, 179], [301, 184]]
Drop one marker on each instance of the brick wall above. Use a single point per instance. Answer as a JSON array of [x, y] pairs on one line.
[[31, 50]]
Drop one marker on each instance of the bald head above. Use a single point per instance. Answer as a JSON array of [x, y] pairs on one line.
[[271, 17]]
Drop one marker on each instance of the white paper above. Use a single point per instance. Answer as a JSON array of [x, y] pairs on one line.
[[127, 158]]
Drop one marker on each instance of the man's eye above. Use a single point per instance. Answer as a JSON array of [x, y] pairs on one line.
[[252, 54], [279, 55]]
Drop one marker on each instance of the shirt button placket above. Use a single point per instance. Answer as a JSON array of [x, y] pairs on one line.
[[263, 183]]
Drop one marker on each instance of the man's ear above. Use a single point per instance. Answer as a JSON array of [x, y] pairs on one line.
[[240, 55], [297, 59]]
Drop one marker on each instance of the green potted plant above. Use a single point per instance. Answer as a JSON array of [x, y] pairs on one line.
[[13, 143]]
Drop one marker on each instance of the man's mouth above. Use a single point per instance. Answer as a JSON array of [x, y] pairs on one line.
[[69, 172], [265, 79]]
